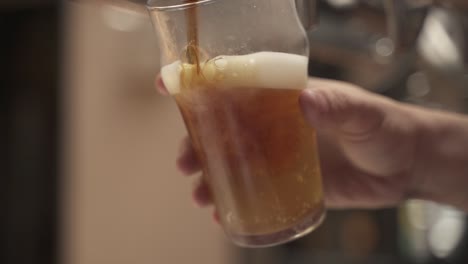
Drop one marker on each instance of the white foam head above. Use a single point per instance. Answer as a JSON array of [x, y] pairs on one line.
[[256, 70]]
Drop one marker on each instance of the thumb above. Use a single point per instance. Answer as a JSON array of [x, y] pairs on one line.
[[373, 132], [342, 108]]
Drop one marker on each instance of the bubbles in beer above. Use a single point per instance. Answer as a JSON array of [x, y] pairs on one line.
[[259, 156]]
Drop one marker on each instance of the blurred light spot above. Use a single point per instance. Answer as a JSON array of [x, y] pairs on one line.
[[418, 85], [384, 47], [437, 45], [413, 227], [445, 235], [417, 214], [122, 19], [342, 3]]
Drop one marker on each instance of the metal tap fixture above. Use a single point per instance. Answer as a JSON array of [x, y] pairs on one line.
[[392, 39]]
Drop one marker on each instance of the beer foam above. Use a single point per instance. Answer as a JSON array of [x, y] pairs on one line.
[[257, 70]]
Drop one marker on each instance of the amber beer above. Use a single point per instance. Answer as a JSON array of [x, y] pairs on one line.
[[258, 154]]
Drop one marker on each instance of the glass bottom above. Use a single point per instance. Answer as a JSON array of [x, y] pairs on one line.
[[309, 224]]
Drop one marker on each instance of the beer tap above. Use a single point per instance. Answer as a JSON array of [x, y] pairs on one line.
[[385, 37]]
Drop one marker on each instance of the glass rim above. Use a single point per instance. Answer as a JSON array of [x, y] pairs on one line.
[[167, 5]]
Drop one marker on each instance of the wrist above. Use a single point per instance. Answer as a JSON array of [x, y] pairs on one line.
[[440, 171]]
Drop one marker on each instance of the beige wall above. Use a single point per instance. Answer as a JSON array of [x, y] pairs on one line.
[[123, 200]]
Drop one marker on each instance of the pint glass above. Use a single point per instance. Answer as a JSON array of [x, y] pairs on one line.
[[235, 69]]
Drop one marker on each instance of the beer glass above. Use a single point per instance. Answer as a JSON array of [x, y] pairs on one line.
[[235, 70]]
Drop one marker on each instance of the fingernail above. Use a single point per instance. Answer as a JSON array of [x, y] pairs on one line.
[[159, 82], [160, 85]]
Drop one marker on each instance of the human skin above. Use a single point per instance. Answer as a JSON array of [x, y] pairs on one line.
[[375, 152]]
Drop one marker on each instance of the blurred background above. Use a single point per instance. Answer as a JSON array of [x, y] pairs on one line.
[[88, 172]]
